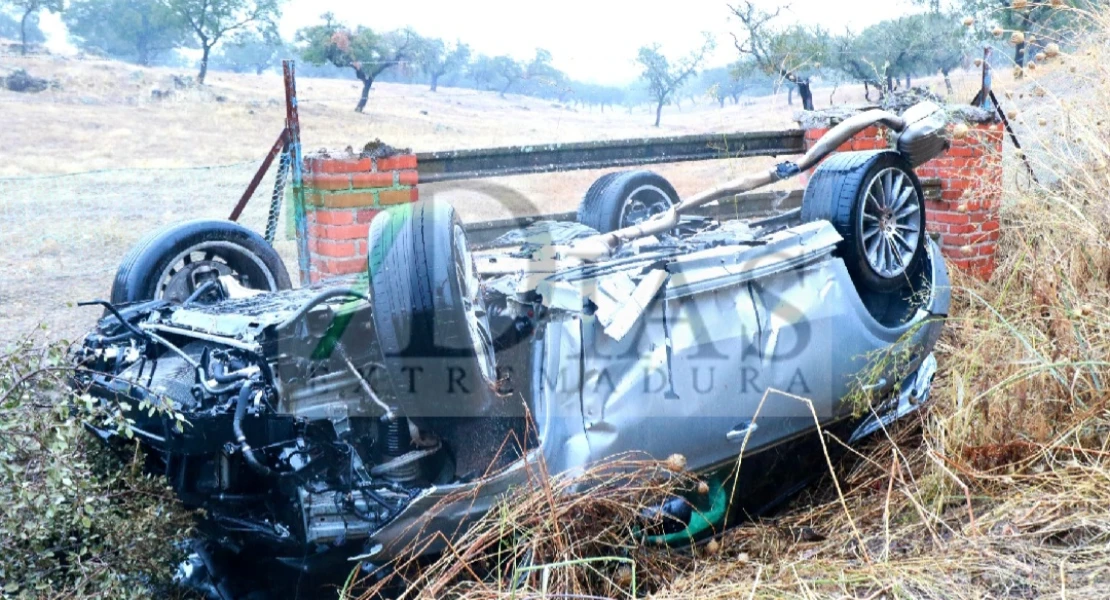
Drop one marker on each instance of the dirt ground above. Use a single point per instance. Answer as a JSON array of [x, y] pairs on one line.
[[88, 168]]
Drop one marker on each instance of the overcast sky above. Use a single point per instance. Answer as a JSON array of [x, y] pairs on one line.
[[592, 40]]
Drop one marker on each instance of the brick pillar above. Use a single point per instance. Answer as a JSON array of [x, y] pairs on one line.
[[342, 195], [964, 214]]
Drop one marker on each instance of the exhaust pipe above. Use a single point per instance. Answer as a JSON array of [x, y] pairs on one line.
[[917, 138]]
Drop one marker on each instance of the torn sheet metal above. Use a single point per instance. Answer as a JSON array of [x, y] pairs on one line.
[[620, 302], [565, 295]]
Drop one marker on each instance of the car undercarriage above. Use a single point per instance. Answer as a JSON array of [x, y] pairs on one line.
[[318, 424]]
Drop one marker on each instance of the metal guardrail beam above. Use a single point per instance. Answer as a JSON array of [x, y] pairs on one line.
[[453, 165]]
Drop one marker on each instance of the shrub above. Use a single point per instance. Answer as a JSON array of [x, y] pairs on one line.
[[79, 519]]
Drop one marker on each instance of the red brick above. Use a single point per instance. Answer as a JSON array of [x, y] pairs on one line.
[[964, 228], [388, 197], [931, 207], [334, 248], [409, 178], [397, 163], [328, 181], [352, 200], [332, 217], [991, 225], [338, 165], [813, 135], [989, 236], [955, 241], [373, 180], [367, 215], [415, 194], [313, 198], [344, 266], [951, 217], [357, 231], [960, 150], [957, 184]]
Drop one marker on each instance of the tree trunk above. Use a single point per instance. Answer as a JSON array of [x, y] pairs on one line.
[[143, 45], [435, 81], [907, 81], [806, 94], [658, 112], [790, 96], [1019, 54], [23, 33], [947, 81], [866, 91], [365, 97], [505, 89], [204, 64]]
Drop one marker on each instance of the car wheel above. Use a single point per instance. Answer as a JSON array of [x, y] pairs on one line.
[[429, 313], [624, 198], [874, 200], [167, 264]]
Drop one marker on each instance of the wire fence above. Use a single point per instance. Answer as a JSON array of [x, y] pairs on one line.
[[62, 237]]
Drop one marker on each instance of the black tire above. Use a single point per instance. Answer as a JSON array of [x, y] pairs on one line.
[[429, 318], [605, 204], [226, 246], [838, 191]]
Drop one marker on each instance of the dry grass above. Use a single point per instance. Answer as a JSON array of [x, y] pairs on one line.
[[103, 117], [999, 490]]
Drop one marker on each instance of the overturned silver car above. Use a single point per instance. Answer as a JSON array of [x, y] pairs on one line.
[[347, 420]]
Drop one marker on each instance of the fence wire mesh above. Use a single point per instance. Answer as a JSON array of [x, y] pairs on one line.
[[62, 237]]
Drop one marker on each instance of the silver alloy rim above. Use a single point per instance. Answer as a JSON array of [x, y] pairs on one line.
[[474, 306], [175, 283], [644, 203], [891, 222]]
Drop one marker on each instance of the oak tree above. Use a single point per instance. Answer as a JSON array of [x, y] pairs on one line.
[[663, 77]]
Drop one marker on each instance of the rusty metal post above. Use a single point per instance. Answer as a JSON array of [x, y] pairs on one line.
[[278, 146], [296, 162]]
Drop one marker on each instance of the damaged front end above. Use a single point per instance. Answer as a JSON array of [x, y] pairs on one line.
[[262, 412]]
